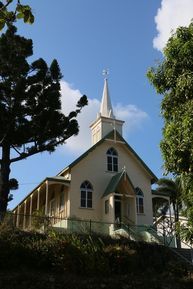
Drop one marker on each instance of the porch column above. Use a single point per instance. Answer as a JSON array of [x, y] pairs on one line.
[[111, 214], [30, 211], [14, 217], [112, 208], [38, 200], [24, 217], [46, 204], [135, 204], [18, 216], [66, 213]]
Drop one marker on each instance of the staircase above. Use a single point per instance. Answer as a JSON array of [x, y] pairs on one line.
[[186, 253], [150, 235], [142, 233]]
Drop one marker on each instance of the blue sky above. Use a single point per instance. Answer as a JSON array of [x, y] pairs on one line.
[[86, 36]]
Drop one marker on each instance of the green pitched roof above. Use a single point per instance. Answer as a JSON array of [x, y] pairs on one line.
[[114, 182], [51, 179], [119, 138]]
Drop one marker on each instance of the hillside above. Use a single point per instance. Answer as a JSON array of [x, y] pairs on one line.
[[32, 260]]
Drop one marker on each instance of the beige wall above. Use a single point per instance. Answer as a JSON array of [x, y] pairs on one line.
[[140, 178], [91, 168], [94, 169], [104, 125]]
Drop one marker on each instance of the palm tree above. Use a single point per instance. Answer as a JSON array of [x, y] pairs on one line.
[[173, 189], [160, 207]]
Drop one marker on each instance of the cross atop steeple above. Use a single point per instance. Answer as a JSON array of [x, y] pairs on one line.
[[106, 72]]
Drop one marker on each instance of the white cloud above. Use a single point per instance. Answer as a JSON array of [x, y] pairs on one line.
[[172, 14], [70, 96], [132, 116]]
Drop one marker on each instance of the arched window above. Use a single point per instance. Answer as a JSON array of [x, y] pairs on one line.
[[139, 200], [112, 160], [86, 190]]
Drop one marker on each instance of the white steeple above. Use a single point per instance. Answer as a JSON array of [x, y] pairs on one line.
[[106, 121], [106, 109]]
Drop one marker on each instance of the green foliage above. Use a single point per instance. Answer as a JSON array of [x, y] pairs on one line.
[[83, 255], [173, 78], [160, 206], [31, 120], [186, 228], [173, 189], [40, 220], [122, 259], [19, 11]]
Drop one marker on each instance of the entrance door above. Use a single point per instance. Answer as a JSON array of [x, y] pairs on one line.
[[117, 209]]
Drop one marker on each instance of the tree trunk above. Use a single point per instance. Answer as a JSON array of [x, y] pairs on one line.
[[4, 188], [176, 215]]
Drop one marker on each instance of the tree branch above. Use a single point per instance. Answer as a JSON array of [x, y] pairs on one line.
[[16, 150], [37, 150], [5, 6]]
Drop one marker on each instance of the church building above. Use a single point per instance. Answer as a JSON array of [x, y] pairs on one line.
[[108, 184]]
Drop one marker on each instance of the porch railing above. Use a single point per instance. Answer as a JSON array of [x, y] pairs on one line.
[[70, 225]]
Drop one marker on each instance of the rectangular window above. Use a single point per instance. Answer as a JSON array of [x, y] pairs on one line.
[[106, 206], [140, 205], [89, 203], [109, 164], [112, 164], [115, 164], [89, 199], [83, 199], [86, 199]]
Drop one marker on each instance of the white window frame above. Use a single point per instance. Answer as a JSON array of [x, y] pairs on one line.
[[87, 189], [113, 156], [139, 201]]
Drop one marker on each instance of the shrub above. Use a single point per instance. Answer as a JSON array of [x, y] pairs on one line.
[[83, 254]]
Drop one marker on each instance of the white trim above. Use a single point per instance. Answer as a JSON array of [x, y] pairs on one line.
[[38, 199], [46, 201], [112, 140], [18, 212], [116, 194], [24, 217]]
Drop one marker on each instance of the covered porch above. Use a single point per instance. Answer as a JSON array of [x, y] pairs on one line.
[[49, 199]]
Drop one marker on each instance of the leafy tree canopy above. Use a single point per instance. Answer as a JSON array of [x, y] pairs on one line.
[[31, 120], [173, 78], [17, 11]]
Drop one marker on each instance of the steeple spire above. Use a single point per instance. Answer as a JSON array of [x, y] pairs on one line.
[[106, 109], [106, 121]]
